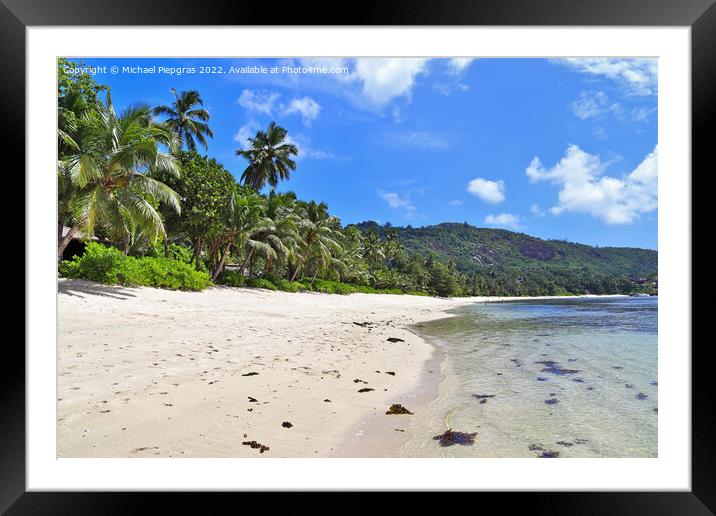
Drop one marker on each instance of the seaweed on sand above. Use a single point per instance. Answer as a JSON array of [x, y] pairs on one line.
[[451, 437], [256, 445], [365, 389], [286, 424], [394, 339], [397, 409]]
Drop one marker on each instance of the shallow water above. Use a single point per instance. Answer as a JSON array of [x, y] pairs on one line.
[[575, 376]]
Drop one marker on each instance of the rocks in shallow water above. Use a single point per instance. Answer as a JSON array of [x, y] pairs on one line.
[[581, 441], [365, 389], [549, 454], [535, 447], [286, 424], [641, 396], [256, 445], [565, 443], [397, 409], [578, 380], [449, 437], [551, 401], [552, 367], [656, 410], [628, 386], [483, 397], [394, 339], [516, 361], [617, 367], [542, 379], [654, 383]]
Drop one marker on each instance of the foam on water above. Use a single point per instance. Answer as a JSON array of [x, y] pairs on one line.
[[575, 376]]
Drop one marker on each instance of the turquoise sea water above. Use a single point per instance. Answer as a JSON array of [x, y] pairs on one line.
[[575, 376]]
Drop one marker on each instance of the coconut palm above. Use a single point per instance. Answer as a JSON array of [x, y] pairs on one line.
[[319, 233], [186, 119], [104, 183], [269, 158], [373, 249]]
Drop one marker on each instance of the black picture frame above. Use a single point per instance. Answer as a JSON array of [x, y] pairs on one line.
[[700, 15]]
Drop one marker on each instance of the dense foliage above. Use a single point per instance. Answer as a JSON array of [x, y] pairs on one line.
[[109, 265], [176, 219]]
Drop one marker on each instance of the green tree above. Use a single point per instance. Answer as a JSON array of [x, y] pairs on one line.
[[269, 157], [105, 182], [205, 189], [187, 120]]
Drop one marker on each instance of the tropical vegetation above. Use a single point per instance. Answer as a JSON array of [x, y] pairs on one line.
[[156, 212]]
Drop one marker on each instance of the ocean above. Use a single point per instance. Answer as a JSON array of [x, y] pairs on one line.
[[548, 378]]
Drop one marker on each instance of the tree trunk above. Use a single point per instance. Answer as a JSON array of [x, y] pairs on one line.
[[243, 265], [295, 273], [64, 241], [166, 246], [220, 266], [197, 253]]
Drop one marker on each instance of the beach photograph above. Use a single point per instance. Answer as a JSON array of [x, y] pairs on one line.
[[357, 257]]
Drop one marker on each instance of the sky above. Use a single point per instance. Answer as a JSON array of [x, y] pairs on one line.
[[555, 148]]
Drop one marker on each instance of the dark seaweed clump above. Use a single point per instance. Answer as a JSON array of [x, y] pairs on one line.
[[450, 437], [549, 454], [286, 424], [366, 389], [397, 409], [394, 339], [641, 396], [256, 445], [252, 373], [552, 367]]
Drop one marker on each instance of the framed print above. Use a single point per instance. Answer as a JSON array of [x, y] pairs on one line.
[[418, 250]]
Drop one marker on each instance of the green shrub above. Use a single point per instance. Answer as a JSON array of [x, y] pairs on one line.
[[110, 266], [261, 283], [231, 278]]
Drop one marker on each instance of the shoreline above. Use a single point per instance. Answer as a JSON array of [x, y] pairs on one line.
[[179, 377]]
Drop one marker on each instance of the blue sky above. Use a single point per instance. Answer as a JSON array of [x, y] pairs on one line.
[[563, 149]]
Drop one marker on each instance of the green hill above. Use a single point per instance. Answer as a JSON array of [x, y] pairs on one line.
[[504, 261]]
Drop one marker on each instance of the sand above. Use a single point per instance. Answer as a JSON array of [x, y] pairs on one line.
[[146, 372]]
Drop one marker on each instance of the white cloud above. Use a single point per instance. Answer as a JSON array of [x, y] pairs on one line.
[[492, 192], [637, 75], [245, 132], [455, 202], [505, 220], [537, 211], [584, 188], [384, 79], [593, 104], [424, 139], [259, 102], [306, 107], [395, 201], [306, 150], [460, 64]]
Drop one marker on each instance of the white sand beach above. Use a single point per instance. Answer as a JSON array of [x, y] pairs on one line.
[[146, 372]]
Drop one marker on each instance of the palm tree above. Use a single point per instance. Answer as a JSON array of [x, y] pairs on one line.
[[269, 158], [373, 249], [320, 247], [186, 120], [104, 183]]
